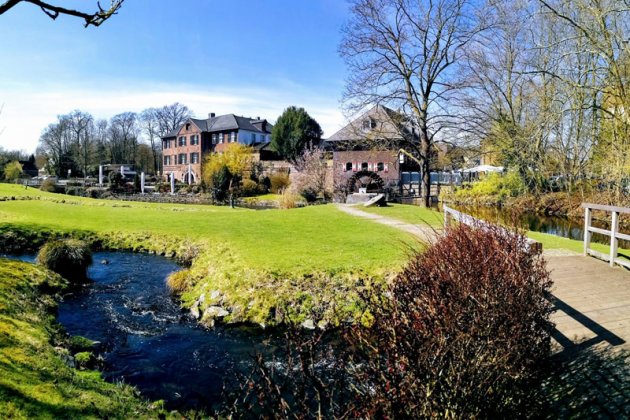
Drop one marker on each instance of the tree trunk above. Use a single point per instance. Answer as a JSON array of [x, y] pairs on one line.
[[425, 149]]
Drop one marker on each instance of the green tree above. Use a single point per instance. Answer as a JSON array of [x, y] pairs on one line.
[[294, 131], [12, 171]]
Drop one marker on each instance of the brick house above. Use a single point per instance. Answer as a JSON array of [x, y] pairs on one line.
[[184, 149], [366, 152]]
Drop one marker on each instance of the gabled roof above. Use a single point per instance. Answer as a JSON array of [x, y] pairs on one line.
[[224, 123], [389, 124]]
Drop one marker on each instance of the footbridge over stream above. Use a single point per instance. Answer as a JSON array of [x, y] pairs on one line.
[[591, 296]]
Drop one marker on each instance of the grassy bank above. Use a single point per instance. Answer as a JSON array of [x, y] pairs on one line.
[[260, 263], [36, 379]]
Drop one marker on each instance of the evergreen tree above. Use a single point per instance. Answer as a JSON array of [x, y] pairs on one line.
[[294, 131]]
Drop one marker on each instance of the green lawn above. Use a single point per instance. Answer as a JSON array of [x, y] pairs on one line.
[[311, 238], [261, 261]]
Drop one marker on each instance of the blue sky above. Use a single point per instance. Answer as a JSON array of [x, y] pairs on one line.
[[239, 56]]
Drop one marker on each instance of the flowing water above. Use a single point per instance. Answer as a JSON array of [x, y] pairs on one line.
[[146, 339]]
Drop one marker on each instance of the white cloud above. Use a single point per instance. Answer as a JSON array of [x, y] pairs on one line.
[[28, 109]]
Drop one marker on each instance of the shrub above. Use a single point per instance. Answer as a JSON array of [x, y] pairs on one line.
[[81, 344], [462, 332], [94, 192], [279, 182], [264, 185], [69, 257], [465, 331], [177, 282], [309, 195], [48, 185], [287, 200], [116, 182], [76, 191], [494, 186], [249, 188]]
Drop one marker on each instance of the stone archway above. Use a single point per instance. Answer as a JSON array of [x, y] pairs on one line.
[[365, 179]]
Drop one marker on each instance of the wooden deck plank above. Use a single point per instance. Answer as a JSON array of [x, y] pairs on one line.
[[593, 300]]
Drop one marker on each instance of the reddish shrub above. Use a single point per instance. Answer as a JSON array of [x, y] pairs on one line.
[[464, 332]]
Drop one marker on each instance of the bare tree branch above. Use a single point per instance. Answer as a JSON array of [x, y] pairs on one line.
[[54, 11]]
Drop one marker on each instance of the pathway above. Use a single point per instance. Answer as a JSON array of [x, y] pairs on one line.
[[424, 233]]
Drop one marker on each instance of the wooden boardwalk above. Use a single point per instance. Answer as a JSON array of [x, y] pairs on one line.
[[592, 302]]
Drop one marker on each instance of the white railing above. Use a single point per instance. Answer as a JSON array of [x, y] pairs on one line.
[[451, 215], [613, 233]]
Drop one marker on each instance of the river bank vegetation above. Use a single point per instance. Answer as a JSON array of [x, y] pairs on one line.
[[252, 263], [37, 374]]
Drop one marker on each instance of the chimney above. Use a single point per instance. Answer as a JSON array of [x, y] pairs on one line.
[[211, 115], [263, 126], [258, 118]]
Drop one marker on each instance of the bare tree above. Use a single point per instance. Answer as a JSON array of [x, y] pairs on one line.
[[405, 53], [101, 140], [81, 124], [170, 117], [54, 11], [123, 137], [151, 127], [54, 144]]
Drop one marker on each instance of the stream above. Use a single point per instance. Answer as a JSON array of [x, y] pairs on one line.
[[148, 341], [553, 225]]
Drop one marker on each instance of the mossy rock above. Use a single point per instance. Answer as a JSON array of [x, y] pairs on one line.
[[80, 344], [84, 360]]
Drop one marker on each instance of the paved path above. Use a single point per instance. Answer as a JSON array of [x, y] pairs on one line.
[[425, 233]]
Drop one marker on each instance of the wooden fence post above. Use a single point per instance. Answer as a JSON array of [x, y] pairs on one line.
[[587, 232], [614, 242]]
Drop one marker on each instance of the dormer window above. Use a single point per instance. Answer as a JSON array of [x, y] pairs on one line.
[[369, 124]]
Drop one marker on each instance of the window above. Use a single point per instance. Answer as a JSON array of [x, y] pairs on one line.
[[194, 158], [220, 137], [194, 140], [348, 166], [364, 166], [233, 136], [167, 160], [253, 138], [182, 159], [182, 141], [369, 124], [165, 144], [188, 127], [380, 166]]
